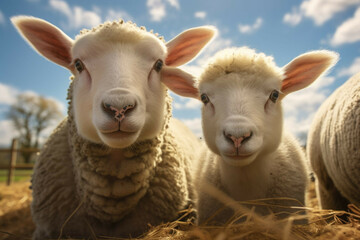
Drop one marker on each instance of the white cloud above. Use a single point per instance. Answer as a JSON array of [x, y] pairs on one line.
[[187, 103], [323, 10], [352, 70], [348, 31], [319, 11], [174, 3], [251, 28], [116, 15], [293, 18], [200, 14], [194, 125], [7, 94], [300, 107], [77, 16], [7, 133], [2, 18], [157, 8]]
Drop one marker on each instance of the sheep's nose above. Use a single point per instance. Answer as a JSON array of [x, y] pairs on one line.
[[115, 112], [238, 140]]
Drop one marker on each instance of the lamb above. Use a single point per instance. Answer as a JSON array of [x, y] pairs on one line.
[[334, 147], [251, 158], [119, 162]]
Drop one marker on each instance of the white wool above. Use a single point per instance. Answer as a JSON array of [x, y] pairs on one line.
[[240, 60], [334, 147]]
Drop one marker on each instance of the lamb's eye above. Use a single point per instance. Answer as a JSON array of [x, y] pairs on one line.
[[274, 95], [204, 98], [79, 65], [158, 65]]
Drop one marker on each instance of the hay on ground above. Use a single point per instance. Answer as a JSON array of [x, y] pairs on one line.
[[15, 222]]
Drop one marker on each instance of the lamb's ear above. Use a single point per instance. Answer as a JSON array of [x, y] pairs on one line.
[[46, 39], [306, 68], [188, 44], [180, 82]]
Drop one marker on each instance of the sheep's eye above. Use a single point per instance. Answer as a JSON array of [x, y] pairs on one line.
[[204, 98], [158, 65], [274, 95], [79, 65]]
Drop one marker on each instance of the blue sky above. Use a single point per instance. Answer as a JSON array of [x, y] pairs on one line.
[[283, 29]]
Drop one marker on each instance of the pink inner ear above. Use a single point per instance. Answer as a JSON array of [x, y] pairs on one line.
[[302, 76], [305, 69], [180, 82], [187, 45], [47, 39], [186, 50], [180, 86]]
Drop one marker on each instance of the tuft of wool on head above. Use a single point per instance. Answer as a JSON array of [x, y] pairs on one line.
[[240, 60], [118, 30]]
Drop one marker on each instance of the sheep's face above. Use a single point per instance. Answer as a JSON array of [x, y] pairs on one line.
[[119, 86], [118, 95], [241, 116]]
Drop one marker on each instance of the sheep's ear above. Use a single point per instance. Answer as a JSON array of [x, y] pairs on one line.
[[188, 44], [46, 39], [306, 68], [180, 82]]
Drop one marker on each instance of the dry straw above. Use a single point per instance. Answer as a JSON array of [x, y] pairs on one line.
[[322, 224]]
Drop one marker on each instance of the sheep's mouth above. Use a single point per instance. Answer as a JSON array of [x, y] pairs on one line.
[[117, 134], [239, 160], [238, 156]]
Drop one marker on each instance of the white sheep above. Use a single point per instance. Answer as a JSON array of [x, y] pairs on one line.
[[251, 158], [333, 147], [118, 163]]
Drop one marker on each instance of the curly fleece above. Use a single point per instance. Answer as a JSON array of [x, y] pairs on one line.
[[149, 187], [334, 147]]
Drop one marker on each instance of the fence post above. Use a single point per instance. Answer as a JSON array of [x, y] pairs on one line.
[[12, 162]]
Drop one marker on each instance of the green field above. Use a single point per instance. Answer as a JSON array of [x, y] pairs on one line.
[[19, 175]]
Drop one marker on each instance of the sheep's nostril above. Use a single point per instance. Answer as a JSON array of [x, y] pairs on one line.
[[247, 136], [117, 113], [107, 108], [237, 141]]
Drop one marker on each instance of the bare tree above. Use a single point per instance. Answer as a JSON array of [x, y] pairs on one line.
[[31, 114]]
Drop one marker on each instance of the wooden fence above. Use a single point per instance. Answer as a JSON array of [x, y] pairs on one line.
[[12, 165]]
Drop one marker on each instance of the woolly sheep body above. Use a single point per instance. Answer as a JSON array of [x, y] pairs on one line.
[[334, 147], [99, 173], [248, 156], [168, 193]]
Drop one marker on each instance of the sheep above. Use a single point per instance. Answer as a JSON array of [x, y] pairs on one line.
[[119, 162], [333, 147], [248, 156]]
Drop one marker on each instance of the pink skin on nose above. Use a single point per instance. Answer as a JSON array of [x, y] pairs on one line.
[[120, 114], [238, 141]]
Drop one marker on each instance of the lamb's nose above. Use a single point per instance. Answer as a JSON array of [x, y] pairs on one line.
[[238, 140], [117, 113]]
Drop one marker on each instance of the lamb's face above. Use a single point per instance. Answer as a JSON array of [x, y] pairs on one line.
[[118, 95], [241, 116]]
